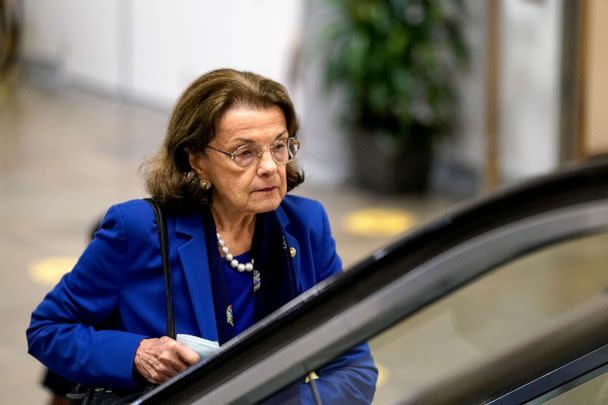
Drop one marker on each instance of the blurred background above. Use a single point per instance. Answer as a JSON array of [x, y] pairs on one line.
[[408, 108]]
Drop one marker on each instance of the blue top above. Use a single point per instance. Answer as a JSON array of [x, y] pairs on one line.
[[240, 291]]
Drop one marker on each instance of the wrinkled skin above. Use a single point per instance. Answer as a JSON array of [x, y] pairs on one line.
[[157, 360]]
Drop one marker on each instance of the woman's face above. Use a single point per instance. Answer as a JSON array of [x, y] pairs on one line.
[[259, 187]]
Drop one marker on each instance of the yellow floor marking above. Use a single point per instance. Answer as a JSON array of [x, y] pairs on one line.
[[49, 270], [383, 375], [378, 222]]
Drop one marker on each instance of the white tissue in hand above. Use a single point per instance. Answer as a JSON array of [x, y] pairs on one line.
[[202, 346]]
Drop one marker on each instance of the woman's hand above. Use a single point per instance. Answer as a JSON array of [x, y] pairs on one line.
[[157, 360]]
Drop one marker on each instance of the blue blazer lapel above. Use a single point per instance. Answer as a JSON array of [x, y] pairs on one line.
[[292, 243], [193, 255]]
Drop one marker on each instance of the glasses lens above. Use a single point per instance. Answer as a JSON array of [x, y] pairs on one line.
[[284, 150], [280, 151], [245, 155]]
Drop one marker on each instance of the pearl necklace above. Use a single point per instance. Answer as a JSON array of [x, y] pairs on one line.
[[235, 264]]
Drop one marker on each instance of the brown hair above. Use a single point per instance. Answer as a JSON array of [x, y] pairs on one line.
[[169, 177]]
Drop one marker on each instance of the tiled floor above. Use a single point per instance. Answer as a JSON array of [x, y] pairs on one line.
[[65, 157]]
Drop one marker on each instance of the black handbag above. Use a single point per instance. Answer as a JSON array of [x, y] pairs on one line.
[[84, 395]]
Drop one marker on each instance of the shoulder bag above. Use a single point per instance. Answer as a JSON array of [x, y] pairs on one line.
[[83, 395]]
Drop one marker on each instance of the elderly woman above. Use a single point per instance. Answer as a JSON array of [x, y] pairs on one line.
[[239, 249]]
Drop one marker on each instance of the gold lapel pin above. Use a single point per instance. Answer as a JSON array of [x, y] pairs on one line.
[[229, 317], [292, 251]]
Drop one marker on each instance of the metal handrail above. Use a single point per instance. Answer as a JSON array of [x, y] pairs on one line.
[[394, 283]]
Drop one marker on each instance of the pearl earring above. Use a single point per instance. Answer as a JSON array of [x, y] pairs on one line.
[[205, 184]]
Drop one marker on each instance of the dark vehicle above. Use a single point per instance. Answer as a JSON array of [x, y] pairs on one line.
[[485, 305]]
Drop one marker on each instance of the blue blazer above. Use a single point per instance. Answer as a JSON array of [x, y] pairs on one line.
[[89, 326]]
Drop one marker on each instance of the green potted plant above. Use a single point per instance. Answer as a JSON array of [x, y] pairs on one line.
[[396, 62]]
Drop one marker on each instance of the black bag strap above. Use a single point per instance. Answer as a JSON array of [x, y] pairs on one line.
[[86, 395], [161, 225]]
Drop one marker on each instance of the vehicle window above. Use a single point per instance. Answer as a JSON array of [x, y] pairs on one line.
[[510, 305]]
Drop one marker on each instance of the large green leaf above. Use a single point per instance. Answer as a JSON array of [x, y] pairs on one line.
[[396, 59]]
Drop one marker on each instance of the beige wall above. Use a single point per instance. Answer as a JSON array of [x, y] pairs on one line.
[[595, 99]]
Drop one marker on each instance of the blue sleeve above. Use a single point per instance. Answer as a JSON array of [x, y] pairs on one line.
[[63, 333], [348, 379]]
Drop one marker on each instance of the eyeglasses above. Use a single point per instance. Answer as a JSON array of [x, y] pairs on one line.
[[282, 151]]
